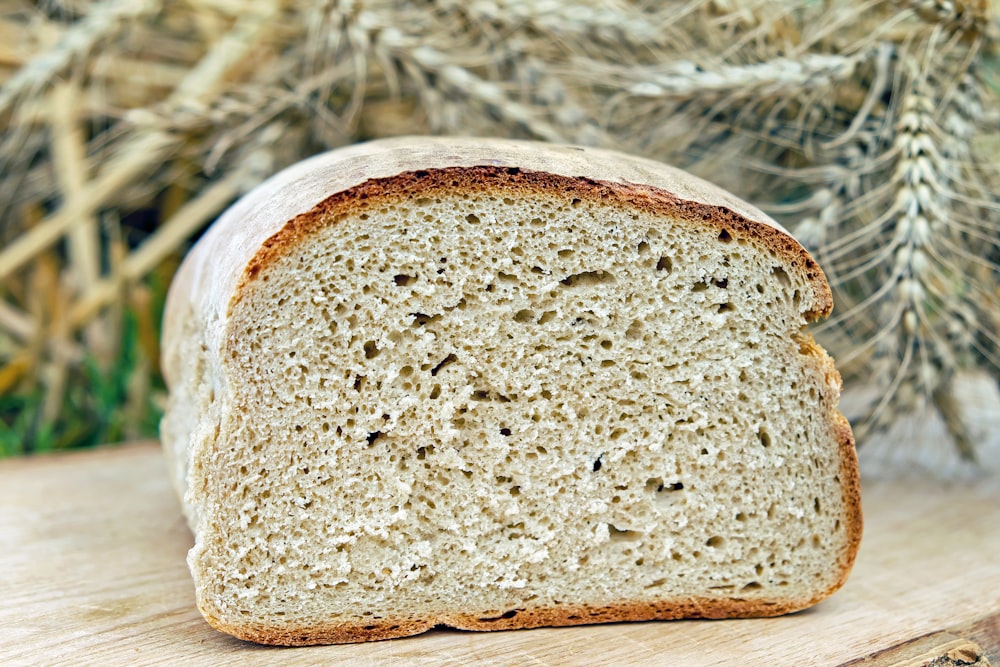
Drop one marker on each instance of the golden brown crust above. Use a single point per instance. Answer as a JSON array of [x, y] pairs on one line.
[[849, 477], [517, 619], [850, 480], [500, 180], [849, 474]]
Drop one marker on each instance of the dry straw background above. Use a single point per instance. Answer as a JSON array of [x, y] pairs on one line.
[[871, 128]]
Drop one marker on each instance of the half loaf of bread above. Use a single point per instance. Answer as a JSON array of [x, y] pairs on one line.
[[495, 384]]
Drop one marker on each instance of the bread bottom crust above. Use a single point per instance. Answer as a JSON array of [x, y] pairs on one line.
[[515, 619]]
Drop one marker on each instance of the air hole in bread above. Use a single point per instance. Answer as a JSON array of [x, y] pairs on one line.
[[507, 614], [781, 275], [451, 358], [616, 534], [423, 319], [588, 279], [402, 280]]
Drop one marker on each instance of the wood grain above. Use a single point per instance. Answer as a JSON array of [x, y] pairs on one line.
[[940, 649], [92, 555]]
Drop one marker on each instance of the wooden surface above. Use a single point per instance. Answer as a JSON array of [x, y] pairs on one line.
[[92, 571]]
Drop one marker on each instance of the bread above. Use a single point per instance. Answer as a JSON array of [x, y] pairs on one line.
[[494, 384]]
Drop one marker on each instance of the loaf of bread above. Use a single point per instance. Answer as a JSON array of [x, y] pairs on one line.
[[494, 384]]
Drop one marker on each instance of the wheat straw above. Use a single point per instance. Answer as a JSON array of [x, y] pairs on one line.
[[871, 128], [140, 156], [99, 25], [69, 160], [193, 215]]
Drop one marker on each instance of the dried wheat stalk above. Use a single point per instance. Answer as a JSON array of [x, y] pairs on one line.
[[871, 128]]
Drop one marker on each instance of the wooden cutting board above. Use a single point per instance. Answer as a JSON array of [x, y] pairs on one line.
[[92, 571]]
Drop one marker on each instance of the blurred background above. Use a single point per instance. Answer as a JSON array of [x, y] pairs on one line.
[[870, 129]]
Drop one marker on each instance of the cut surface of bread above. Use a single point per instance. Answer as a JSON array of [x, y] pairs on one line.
[[493, 384]]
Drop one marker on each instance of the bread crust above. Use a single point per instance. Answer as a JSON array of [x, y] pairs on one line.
[[850, 480], [284, 213], [518, 619]]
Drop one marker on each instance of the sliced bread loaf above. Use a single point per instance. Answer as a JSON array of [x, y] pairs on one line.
[[495, 384]]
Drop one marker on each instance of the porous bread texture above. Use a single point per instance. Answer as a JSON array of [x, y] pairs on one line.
[[490, 397]]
